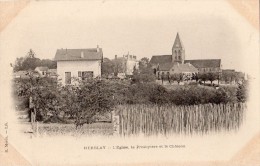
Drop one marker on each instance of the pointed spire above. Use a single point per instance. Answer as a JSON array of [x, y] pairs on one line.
[[177, 42]]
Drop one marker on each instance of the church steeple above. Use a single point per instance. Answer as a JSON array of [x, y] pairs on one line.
[[178, 51]]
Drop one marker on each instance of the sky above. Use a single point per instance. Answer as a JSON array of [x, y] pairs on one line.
[[208, 29]]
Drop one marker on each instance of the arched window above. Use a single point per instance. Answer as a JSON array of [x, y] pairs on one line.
[[176, 54]]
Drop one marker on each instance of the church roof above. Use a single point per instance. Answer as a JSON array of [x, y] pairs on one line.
[[181, 68], [178, 42], [166, 66], [161, 59], [205, 63]]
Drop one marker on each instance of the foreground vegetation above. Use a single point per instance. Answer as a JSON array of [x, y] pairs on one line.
[[171, 119], [95, 97]]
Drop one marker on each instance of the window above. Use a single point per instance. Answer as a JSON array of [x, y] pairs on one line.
[[79, 74], [67, 77], [87, 74]]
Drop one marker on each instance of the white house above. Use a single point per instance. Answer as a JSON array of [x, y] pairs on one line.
[[78, 63]]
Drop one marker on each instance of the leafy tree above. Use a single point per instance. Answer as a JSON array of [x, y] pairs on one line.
[[30, 62], [212, 76], [143, 76], [92, 97], [48, 63], [144, 63], [203, 77], [195, 77], [107, 67], [230, 76], [177, 77], [118, 66], [242, 91]]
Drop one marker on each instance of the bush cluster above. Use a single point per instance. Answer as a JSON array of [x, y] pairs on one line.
[[147, 93], [82, 102], [95, 97]]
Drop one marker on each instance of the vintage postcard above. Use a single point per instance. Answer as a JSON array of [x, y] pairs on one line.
[[129, 82]]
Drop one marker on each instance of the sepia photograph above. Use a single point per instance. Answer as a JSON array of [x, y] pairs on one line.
[[110, 82]]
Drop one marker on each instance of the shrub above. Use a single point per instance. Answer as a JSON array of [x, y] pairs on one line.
[[158, 94], [242, 91]]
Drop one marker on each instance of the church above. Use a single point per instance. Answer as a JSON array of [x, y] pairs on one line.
[[176, 62]]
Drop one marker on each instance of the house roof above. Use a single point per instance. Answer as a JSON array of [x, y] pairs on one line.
[[42, 68], [161, 59], [228, 70], [79, 54], [181, 68], [53, 70], [205, 63]]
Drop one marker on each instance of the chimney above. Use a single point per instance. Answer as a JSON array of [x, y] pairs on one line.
[[97, 48], [115, 56], [82, 54]]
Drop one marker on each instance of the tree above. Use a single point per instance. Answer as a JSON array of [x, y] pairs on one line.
[[145, 73], [143, 76], [195, 77], [203, 77], [242, 91], [18, 65], [118, 66], [177, 77], [48, 63], [212, 76], [30, 62], [31, 54], [144, 63], [107, 67], [92, 97], [229, 76]]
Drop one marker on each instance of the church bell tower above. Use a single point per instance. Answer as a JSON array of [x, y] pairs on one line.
[[178, 51]]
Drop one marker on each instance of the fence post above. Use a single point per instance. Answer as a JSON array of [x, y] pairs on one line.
[[115, 123], [37, 128]]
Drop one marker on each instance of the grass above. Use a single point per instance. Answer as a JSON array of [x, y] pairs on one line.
[[55, 129]]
